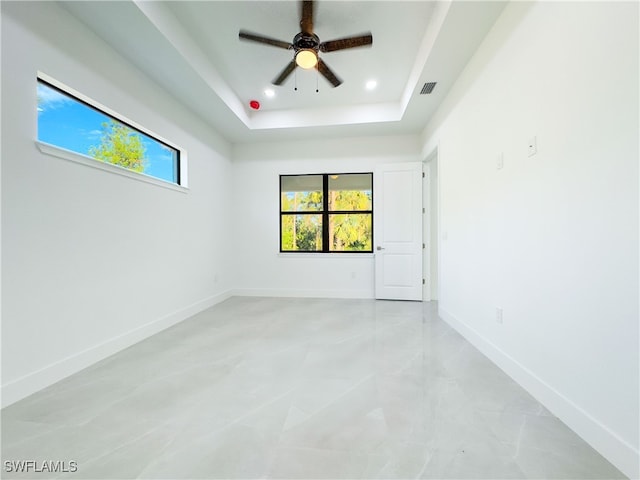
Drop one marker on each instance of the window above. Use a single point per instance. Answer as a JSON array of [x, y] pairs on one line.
[[67, 122], [326, 213]]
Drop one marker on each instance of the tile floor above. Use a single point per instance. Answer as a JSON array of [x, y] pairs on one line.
[[297, 388]]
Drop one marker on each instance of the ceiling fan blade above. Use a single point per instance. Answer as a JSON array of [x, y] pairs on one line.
[[306, 18], [262, 39], [285, 73], [349, 42], [328, 73]]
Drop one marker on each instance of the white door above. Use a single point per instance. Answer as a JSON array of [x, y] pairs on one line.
[[397, 194]]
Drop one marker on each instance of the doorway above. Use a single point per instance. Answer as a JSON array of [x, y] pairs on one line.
[[430, 226]]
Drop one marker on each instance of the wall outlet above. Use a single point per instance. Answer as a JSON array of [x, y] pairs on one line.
[[500, 161], [533, 146], [499, 315]]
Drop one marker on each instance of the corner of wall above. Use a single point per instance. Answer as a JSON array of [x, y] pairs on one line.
[[18, 389], [623, 455]]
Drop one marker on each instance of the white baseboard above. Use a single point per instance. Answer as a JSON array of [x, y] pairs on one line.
[[35, 381], [615, 449], [300, 293]]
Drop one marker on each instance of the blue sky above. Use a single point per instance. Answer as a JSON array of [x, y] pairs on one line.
[[68, 123]]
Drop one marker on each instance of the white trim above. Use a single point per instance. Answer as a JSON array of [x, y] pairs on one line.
[[323, 255], [35, 381], [426, 232], [65, 154], [303, 293], [615, 449], [431, 225]]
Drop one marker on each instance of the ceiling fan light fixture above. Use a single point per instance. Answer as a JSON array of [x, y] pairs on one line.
[[306, 58], [306, 45]]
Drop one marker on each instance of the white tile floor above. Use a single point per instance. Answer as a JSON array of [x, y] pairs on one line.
[[298, 388]]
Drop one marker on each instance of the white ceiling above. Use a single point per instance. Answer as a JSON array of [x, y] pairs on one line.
[[191, 48]]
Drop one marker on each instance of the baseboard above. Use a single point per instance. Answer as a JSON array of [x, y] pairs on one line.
[[303, 293], [35, 381], [615, 449]]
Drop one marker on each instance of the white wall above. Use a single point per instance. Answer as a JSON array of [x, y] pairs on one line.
[[553, 238], [94, 261], [260, 269]]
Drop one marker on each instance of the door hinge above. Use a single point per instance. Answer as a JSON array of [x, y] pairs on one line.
[[424, 246], [422, 174], [424, 281], [423, 210]]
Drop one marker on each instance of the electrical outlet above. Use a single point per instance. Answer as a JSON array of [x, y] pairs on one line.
[[500, 161], [499, 315], [533, 146]]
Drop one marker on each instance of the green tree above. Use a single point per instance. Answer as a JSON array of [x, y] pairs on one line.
[[120, 145], [350, 232], [308, 232], [302, 232]]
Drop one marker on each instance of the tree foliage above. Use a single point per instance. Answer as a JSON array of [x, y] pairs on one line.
[[302, 232], [120, 145], [347, 231], [350, 232]]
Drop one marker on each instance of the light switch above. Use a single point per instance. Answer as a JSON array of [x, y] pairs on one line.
[[500, 161]]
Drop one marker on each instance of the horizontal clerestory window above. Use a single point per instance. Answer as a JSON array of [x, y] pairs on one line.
[[84, 127], [328, 213]]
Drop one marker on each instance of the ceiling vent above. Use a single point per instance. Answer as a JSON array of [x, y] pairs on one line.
[[427, 88]]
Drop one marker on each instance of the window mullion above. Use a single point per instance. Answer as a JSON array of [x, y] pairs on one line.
[[325, 213]]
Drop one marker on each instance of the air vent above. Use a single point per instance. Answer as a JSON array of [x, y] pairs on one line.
[[427, 88]]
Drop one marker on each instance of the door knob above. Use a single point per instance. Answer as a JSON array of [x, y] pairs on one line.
[[379, 248]]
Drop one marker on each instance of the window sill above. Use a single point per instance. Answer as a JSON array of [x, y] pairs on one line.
[[324, 255], [65, 154]]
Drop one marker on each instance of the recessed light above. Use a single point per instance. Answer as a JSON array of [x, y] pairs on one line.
[[269, 93], [371, 85]]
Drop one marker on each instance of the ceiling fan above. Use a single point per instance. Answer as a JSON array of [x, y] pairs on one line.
[[306, 45]]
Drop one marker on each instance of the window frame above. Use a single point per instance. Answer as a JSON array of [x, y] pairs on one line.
[[180, 167], [325, 212]]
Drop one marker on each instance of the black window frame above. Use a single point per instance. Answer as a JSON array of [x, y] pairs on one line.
[[325, 212]]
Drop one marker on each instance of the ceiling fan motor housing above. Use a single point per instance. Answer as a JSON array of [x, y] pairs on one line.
[[306, 41]]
